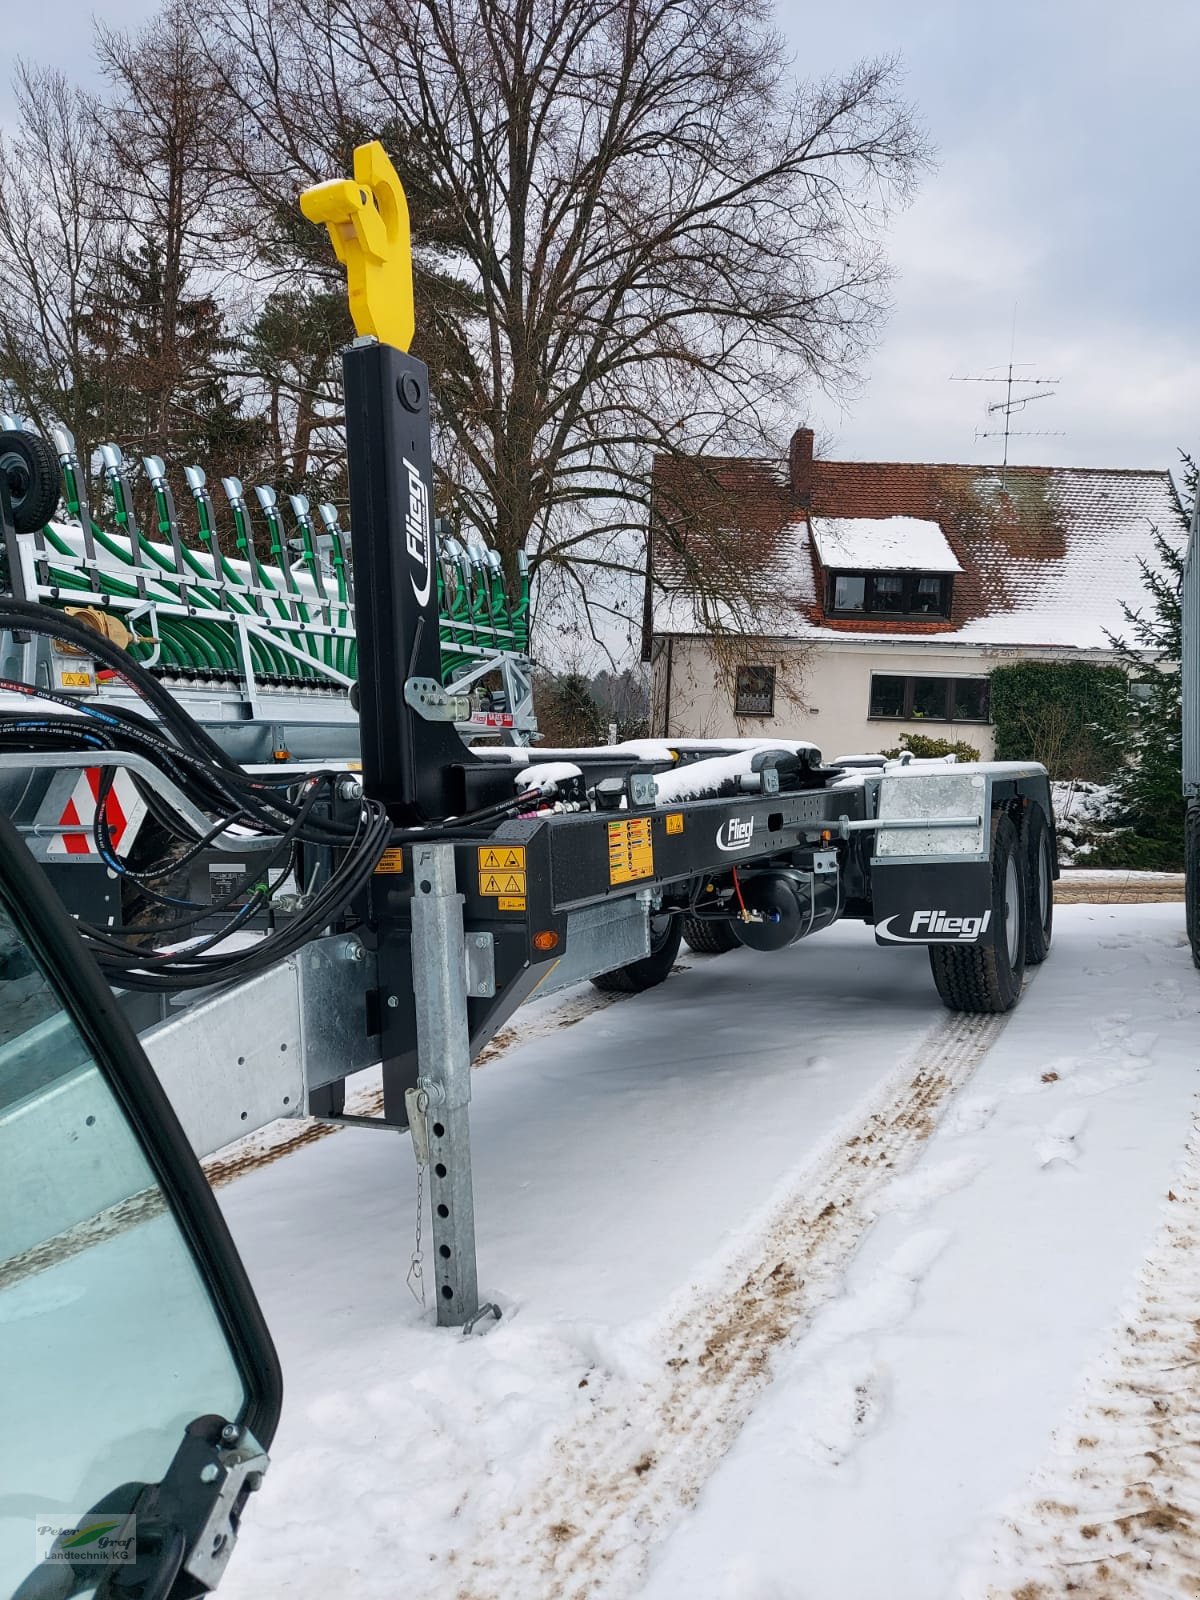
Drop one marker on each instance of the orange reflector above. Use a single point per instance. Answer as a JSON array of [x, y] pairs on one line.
[[547, 939], [826, 836]]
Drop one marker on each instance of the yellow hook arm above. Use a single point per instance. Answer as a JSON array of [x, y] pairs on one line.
[[367, 218]]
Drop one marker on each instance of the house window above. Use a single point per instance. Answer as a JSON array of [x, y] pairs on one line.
[[929, 699], [755, 696], [889, 594]]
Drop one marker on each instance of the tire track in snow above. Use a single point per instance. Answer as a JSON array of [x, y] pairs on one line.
[[1116, 1512], [643, 1452]]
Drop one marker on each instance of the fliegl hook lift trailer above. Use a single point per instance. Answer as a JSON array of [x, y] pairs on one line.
[[399, 914]]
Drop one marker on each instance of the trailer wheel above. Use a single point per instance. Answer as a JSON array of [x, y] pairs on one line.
[[665, 933], [1039, 857], [1191, 868], [710, 936], [986, 978], [30, 468]]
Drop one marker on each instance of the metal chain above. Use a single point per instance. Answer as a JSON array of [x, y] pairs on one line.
[[416, 1268]]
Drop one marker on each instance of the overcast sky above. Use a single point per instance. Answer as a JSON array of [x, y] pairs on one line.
[[1068, 138], [1068, 135]]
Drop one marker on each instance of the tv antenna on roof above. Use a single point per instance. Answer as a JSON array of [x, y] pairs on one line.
[[1012, 405]]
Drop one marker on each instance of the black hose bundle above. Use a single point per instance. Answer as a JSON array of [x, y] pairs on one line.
[[283, 807]]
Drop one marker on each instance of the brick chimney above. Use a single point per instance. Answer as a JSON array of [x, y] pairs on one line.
[[800, 467]]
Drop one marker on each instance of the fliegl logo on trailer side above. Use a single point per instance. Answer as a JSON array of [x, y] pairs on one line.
[[735, 834], [416, 534], [936, 927]]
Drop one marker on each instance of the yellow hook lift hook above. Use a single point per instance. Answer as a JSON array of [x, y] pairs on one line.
[[367, 218]]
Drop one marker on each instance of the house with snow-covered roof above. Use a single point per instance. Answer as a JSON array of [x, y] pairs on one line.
[[854, 601]]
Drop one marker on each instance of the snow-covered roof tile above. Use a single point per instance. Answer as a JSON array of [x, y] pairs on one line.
[[1046, 557]]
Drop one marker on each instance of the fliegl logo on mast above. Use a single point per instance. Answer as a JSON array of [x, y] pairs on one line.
[[416, 533]]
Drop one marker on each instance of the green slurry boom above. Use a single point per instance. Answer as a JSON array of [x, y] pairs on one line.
[[211, 610]]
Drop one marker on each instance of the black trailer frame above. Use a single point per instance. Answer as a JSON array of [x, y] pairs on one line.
[[464, 926]]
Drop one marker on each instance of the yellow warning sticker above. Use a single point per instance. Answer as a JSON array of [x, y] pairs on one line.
[[674, 821], [501, 858], [75, 680], [501, 882], [630, 850], [391, 860], [511, 902]]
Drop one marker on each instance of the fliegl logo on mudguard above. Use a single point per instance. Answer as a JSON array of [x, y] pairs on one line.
[[416, 534], [935, 927], [735, 834]]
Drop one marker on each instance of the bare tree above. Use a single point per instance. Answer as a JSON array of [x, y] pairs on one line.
[[162, 302], [113, 297], [666, 237], [52, 233]]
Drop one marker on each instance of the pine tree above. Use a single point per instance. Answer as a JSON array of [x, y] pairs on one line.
[[1148, 805], [165, 388], [568, 713]]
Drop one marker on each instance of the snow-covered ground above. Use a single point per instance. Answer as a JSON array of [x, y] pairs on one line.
[[811, 1291]]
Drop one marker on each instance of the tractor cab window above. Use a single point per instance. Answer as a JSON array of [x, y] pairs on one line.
[[109, 1343]]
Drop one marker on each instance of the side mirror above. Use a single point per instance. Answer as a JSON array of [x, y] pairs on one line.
[[139, 1387]]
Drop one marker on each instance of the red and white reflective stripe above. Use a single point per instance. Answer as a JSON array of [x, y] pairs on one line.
[[124, 811]]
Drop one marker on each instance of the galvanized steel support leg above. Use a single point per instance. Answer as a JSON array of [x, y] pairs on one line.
[[444, 1062]]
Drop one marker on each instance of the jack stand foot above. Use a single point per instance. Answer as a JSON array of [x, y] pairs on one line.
[[486, 1313]]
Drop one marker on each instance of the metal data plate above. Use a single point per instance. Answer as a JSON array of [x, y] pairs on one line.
[[910, 796]]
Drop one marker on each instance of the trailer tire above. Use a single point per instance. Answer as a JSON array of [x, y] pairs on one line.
[[710, 936], [1191, 870], [985, 979], [650, 970], [30, 468], [1039, 919]]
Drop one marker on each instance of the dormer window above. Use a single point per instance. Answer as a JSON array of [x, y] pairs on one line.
[[897, 567], [889, 594]]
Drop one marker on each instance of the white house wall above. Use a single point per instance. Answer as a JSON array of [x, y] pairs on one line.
[[833, 679]]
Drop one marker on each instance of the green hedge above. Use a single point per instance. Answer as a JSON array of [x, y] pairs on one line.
[[919, 744], [1058, 713]]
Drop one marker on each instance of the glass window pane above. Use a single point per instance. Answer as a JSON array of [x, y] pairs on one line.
[[888, 592], [970, 700], [929, 597], [929, 698], [849, 593], [887, 696], [755, 692], [111, 1344]]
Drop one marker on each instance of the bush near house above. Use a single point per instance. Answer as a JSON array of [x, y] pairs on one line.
[[918, 744], [1068, 715], [575, 710]]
